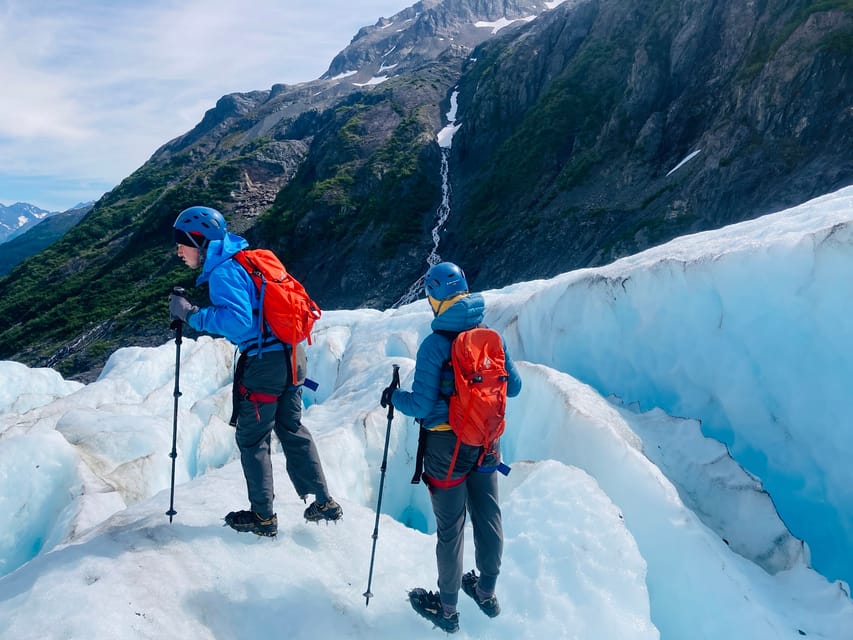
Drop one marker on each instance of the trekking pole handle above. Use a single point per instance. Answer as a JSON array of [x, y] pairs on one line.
[[395, 382], [176, 323]]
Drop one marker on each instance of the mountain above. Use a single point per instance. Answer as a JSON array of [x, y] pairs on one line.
[[17, 218], [587, 130], [40, 235]]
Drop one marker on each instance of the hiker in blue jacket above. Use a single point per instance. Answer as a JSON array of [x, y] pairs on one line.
[[266, 399], [469, 484]]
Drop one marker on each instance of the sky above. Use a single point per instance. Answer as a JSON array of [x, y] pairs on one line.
[[92, 89], [624, 519]]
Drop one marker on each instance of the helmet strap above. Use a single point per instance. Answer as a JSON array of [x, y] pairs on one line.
[[202, 248]]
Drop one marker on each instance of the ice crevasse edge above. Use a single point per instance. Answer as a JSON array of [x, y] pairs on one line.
[[748, 329]]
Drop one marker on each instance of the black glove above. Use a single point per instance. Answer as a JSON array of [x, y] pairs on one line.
[[180, 307], [387, 393]]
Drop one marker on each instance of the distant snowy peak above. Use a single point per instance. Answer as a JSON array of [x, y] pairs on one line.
[[19, 217], [421, 32]]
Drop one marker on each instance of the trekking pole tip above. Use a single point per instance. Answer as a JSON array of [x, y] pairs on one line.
[[367, 596]]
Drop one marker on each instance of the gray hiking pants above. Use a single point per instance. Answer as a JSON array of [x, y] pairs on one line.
[[478, 493], [270, 375]]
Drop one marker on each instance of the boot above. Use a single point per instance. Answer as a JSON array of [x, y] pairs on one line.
[[489, 605], [330, 510], [251, 522], [428, 605]]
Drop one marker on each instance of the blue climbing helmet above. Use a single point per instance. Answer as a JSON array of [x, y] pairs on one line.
[[444, 281], [199, 225]]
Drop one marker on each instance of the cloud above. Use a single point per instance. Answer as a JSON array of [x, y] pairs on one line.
[[91, 90]]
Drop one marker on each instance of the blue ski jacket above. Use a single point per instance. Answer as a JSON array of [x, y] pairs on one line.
[[425, 401], [234, 300]]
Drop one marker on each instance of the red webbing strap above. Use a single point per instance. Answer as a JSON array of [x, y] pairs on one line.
[[447, 483], [435, 483], [257, 399], [456, 448]]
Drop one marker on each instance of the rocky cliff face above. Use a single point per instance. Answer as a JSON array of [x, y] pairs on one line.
[[596, 129], [584, 145]]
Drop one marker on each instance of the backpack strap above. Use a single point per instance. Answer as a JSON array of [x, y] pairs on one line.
[[500, 467], [243, 259], [235, 389], [445, 384], [450, 335], [456, 452], [419, 457], [452, 464]]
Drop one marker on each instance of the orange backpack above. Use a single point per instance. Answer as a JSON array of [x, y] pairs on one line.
[[284, 305], [478, 404]]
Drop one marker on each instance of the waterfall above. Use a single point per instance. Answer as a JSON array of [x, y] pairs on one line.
[[444, 138]]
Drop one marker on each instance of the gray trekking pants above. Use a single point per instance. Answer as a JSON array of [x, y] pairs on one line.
[[478, 494], [270, 376]]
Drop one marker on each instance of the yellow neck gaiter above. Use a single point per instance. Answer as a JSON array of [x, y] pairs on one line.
[[440, 306]]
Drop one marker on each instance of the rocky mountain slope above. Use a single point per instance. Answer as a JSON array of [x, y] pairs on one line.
[[589, 129]]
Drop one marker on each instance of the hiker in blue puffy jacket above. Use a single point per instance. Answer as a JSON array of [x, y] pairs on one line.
[[267, 396], [468, 484]]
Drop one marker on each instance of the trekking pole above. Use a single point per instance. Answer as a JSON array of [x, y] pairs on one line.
[[395, 383], [177, 325]]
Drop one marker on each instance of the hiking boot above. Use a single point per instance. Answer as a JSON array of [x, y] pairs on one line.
[[330, 510], [428, 605], [251, 522], [489, 605]]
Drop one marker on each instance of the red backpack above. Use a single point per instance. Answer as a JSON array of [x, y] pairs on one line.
[[284, 305], [478, 404]]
